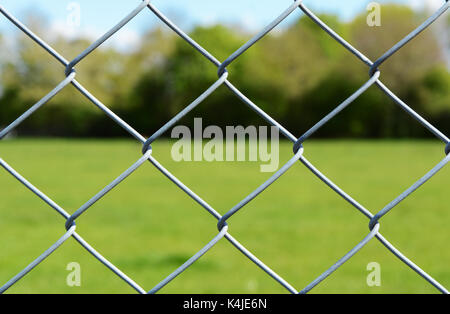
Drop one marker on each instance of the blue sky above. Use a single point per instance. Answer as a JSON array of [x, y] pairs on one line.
[[99, 15]]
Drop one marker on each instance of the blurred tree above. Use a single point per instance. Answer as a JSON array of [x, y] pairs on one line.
[[416, 57], [304, 54], [296, 75], [169, 87], [106, 73], [404, 72]]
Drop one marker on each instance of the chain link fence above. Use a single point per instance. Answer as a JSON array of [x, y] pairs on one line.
[[223, 227]]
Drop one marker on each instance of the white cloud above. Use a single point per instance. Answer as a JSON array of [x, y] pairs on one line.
[[249, 22], [427, 4], [125, 40]]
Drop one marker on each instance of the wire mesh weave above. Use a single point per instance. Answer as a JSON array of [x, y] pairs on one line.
[[374, 73]]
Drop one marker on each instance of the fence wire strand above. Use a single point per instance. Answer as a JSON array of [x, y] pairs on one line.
[[299, 151]]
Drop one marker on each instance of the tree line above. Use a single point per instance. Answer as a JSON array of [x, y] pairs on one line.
[[296, 75]]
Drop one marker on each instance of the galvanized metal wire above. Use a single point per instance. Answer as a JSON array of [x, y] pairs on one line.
[[299, 152]]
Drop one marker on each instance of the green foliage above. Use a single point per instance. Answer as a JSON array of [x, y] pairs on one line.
[[297, 76]]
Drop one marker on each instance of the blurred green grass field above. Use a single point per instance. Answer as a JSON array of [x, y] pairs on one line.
[[148, 227]]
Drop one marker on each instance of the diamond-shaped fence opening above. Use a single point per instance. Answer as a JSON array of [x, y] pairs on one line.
[[223, 79]]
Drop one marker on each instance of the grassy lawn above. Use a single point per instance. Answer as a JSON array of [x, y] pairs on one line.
[[148, 227]]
